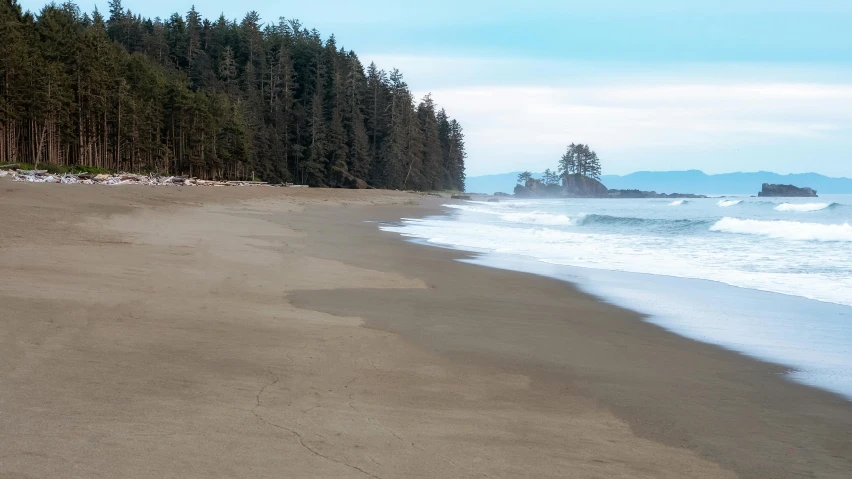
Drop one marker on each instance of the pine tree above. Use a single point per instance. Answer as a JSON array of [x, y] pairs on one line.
[[581, 160], [432, 155], [193, 35], [218, 99], [457, 156], [228, 69], [568, 162], [356, 131]]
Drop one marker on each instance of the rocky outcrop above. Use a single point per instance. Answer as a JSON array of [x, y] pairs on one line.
[[460, 197], [521, 191], [786, 191], [574, 186], [579, 186], [536, 189]]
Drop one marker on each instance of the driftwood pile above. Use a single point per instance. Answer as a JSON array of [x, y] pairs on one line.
[[42, 176]]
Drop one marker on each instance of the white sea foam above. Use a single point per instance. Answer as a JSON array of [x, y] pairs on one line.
[[678, 202], [709, 257], [757, 248], [475, 209], [802, 207], [728, 203], [530, 217], [537, 218], [789, 230]]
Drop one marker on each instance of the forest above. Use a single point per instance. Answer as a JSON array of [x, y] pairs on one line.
[[214, 99]]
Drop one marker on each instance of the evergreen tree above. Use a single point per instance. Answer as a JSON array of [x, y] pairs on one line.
[[550, 177], [432, 156], [579, 159], [456, 156], [214, 99]]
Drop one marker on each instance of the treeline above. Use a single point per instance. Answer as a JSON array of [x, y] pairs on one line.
[[214, 99]]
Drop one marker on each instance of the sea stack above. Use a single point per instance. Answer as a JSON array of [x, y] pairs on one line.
[[786, 191]]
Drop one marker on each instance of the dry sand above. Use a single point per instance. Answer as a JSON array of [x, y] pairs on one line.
[[247, 332]]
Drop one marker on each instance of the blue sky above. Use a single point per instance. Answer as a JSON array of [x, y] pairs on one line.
[[653, 85]]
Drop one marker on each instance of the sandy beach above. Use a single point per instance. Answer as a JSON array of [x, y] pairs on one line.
[[276, 332]]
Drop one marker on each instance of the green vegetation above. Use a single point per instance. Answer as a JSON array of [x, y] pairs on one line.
[[216, 99], [578, 160], [550, 177], [524, 177]]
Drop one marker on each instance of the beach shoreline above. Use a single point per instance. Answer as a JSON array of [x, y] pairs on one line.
[[688, 307], [184, 332]]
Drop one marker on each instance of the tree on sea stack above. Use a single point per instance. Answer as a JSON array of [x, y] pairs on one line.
[[550, 177], [581, 160], [524, 177]]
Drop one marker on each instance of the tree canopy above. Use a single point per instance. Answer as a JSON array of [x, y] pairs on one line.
[[580, 159], [213, 98], [524, 177]]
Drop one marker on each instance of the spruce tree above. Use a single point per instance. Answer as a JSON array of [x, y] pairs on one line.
[[215, 99]]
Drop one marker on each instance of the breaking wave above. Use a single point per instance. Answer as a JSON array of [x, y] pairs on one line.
[[638, 222], [728, 203], [474, 209], [537, 218], [805, 206], [790, 230], [678, 203]]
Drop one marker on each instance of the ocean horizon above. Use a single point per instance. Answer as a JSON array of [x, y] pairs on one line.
[[767, 277]]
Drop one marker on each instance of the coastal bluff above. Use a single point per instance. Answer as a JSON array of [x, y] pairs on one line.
[[788, 191]]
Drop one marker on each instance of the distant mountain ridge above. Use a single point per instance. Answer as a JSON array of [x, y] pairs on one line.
[[690, 181]]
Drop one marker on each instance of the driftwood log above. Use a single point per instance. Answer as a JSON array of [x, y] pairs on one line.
[[12, 165], [41, 176]]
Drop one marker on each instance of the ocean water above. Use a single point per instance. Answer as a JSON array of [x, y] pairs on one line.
[[770, 278]]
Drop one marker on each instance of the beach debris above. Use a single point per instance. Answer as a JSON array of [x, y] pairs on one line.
[[460, 197], [9, 166], [153, 179]]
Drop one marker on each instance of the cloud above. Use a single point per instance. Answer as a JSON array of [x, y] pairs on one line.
[[520, 113], [527, 127]]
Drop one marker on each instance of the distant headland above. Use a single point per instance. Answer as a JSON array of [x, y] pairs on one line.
[[693, 181], [578, 175]]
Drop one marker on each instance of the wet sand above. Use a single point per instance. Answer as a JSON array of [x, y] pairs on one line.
[[259, 332]]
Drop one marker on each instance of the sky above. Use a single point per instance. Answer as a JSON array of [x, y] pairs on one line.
[[718, 86]]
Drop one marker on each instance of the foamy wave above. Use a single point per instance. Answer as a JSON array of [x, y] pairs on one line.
[[678, 203], [537, 218], [803, 206], [728, 203], [791, 230], [474, 209]]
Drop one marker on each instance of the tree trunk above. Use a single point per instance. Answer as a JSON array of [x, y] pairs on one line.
[[40, 145], [118, 137]]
